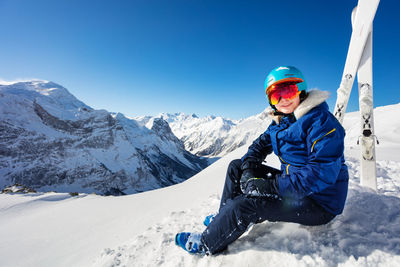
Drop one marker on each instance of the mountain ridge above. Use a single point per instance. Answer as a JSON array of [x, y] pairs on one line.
[[51, 140]]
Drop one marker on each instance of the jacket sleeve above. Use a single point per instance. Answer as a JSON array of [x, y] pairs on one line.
[[258, 151], [325, 141]]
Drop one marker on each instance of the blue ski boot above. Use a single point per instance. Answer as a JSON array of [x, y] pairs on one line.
[[191, 242], [209, 219]]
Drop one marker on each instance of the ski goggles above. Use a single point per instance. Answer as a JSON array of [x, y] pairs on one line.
[[288, 90]]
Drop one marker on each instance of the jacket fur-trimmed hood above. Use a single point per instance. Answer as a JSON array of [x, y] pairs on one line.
[[313, 99]]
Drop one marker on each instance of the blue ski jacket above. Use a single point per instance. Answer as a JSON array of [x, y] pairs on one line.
[[310, 145]]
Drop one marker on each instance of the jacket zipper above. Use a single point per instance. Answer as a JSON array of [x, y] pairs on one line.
[[331, 131], [279, 151], [287, 166]]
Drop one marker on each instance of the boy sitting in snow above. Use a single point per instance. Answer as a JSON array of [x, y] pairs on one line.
[[310, 188]]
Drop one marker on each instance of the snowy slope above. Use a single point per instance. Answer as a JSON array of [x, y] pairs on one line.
[[387, 130], [138, 230], [49, 140]]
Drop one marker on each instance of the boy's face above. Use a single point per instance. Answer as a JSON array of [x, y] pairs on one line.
[[287, 106]]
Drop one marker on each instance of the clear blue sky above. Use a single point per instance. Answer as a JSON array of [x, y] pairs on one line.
[[208, 57]]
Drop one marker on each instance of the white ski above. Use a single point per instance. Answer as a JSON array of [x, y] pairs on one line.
[[359, 59], [367, 137], [364, 17]]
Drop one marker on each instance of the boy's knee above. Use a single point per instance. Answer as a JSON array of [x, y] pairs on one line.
[[234, 165]]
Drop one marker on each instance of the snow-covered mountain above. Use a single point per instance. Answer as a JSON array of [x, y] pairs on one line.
[[52, 141], [53, 229], [213, 136], [49, 140]]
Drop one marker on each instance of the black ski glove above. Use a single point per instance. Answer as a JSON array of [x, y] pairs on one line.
[[252, 185], [260, 187], [248, 167]]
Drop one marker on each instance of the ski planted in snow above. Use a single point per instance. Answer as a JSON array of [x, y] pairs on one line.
[[359, 59], [367, 137]]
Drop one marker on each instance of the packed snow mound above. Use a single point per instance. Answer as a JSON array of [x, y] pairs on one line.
[[139, 230], [367, 233]]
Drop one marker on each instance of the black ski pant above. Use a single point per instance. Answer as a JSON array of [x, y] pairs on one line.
[[237, 211]]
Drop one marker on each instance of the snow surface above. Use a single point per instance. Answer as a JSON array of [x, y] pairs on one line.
[[53, 229]]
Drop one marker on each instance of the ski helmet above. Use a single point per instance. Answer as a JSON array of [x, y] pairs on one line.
[[285, 74]]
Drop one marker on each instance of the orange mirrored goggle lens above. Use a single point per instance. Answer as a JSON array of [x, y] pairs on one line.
[[285, 90]]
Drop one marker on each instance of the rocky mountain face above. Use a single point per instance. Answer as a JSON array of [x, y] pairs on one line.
[[49, 140], [213, 136]]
